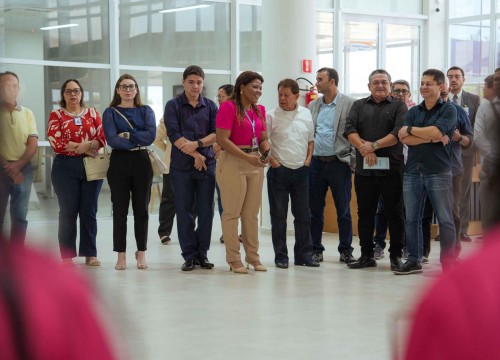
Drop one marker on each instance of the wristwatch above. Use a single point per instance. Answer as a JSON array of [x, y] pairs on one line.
[[375, 145], [200, 143], [408, 129]]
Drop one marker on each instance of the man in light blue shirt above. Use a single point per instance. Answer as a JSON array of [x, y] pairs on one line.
[[331, 164]]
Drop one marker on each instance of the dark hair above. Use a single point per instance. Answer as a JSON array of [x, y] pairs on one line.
[[9, 73], [456, 68], [291, 84], [62, 102], [488, 81], [401, 82], [436, 74], [332, 74], [377, 72], [193, 70], [228, 88], [245, 78], [117, 99]]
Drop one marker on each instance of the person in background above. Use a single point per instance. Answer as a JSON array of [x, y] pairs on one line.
[[486, 139], [167, 205], [224, 93], [130, 127], [400, 89], [18, 145], [470, 103], [488, 88], [333, 158], [290, 131], [241, 131], [190, 122], [75, 131]]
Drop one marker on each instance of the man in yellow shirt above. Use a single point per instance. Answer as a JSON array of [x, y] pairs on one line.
[[18, 145]]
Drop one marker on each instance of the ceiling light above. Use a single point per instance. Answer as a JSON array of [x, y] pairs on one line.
[[183, 8], [58, 27]]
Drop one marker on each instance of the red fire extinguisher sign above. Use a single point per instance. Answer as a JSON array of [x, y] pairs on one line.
[[307, 66]]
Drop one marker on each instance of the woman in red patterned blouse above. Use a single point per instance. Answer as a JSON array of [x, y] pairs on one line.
[[75, 131]]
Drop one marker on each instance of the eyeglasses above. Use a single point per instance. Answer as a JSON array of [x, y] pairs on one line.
[[72, 91], [401, 91], [130, 87]]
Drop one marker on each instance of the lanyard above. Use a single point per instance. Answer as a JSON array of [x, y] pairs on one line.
[[251, 122]]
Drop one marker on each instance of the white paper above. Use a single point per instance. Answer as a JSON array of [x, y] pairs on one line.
[[382, 164]]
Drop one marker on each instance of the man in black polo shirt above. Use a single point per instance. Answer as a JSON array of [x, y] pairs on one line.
[[372, 127], [427, 131]]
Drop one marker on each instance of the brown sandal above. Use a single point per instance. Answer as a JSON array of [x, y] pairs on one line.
[[92, 261]]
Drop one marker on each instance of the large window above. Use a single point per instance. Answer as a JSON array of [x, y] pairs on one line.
[[181, 36], [379, 44], [69, 30]]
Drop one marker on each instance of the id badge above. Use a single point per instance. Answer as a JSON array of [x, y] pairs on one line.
[[255, 144], [78, 121]]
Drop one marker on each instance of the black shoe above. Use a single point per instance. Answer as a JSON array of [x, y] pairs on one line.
[[188, 265], [282, 265], [165, 240], [317, 256], [363, 262], [465, 238], [409, 267], [346, 257], [221, 240], [396, 263], [204, 263], [310, 263]]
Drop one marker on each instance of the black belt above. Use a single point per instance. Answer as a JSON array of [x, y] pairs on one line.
[[248, 151], [326, 159]]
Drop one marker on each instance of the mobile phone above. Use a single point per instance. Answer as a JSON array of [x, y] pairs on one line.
[[264, 155]]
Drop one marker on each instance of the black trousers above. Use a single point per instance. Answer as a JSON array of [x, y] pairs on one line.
[[368, 191], [167, 208], [130, 173]]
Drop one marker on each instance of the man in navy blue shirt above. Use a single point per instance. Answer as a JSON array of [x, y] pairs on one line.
[[427, 130], [190, 122]]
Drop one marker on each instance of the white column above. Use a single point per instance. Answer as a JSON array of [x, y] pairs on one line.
[[288, 37]]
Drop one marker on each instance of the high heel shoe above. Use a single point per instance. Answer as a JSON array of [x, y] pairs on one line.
[[257, 266], [237, 267], [118, 266], [140, 266]]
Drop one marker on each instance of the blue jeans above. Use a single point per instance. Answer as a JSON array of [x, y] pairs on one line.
[[335, 175], [439, 189], [194, 189], [284, 183], [76, 197], [19, 200]]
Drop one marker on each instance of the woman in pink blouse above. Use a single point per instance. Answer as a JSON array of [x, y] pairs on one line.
[[75, 131], [241, 132]]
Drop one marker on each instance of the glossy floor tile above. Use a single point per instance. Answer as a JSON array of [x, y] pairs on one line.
[[330, 312]]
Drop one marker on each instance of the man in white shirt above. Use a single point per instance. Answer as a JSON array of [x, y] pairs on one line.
[[291, 134], [484, 133]]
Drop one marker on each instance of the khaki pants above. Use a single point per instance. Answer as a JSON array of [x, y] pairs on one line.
[[241, 192]]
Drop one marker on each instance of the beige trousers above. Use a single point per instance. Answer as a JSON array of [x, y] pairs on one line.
[[240, 185]]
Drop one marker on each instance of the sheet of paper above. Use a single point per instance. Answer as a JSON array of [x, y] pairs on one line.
[[382, 164]]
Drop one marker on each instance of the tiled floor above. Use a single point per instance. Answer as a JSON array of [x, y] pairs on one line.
[[329, 312]]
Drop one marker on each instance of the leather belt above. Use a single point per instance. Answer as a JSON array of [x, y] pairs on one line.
[[249, 150], [139, 148], [326, 159]]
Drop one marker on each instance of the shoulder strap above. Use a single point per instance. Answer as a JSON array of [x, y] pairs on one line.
[[124, 117]]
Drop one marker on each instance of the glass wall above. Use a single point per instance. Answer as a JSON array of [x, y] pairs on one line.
[[474, 44]]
